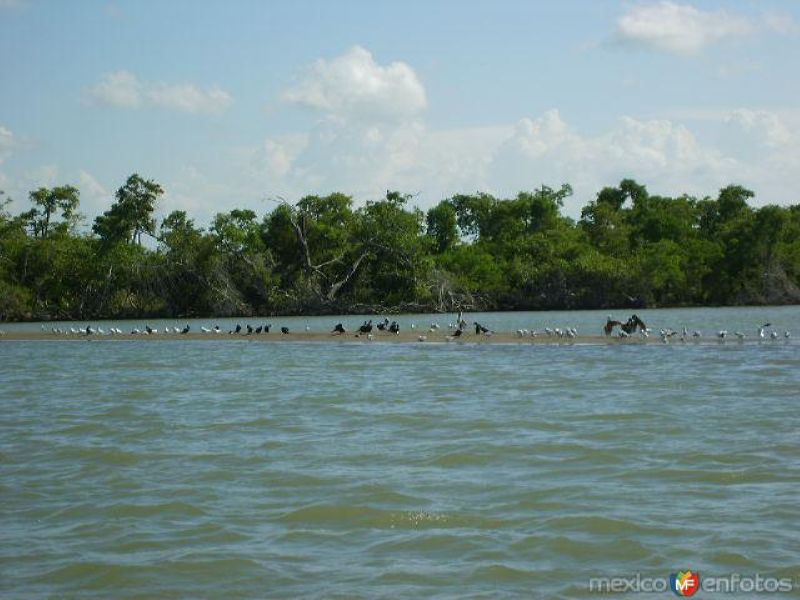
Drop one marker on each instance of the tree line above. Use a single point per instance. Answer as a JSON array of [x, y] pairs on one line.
[[322, 255]]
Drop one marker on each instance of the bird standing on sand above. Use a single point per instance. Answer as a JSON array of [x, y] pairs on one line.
[[284, 330], [338, 329], [186, 329], [480, 328]]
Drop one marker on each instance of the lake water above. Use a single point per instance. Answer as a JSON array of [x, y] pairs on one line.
[[216, 469]]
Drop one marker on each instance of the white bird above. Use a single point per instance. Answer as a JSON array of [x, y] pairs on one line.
[[413, 326], [308, 328], [548, 331], [135, 331], [739, 335], [520, 333], [761, 333], [434, 326], [722, 334], [773, 335], [370, 337], [205, 329], [623, 334], [697, 333], [787, 335], [422, 338]]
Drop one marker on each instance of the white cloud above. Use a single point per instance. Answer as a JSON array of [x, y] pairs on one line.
[[679, 28], [758, 149], [123, 89], [186, 97], [354, 86], [761, 128]]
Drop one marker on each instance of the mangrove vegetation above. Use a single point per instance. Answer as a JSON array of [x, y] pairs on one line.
[[323, 254]]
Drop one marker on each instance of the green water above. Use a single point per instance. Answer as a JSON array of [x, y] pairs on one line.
[[211, 469]]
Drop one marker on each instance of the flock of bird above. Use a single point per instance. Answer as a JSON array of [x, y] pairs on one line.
[[456, 330], [666, 335], [167, 330]]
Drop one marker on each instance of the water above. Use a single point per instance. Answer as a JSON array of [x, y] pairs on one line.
[[212, 469]]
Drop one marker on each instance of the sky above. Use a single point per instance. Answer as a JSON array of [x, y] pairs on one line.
[[241, 104]]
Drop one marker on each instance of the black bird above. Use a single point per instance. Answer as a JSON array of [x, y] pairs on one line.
[[284, 330], [238, 328], [259, 328], [339, 329], [186, 329], [148, 329], [480, 328], [249, 329], [458, 332], [266, 328], [383, 324], [89, 330], [366, 327], [394, 328]]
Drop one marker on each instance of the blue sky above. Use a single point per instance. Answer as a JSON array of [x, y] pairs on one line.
[[234, 104]]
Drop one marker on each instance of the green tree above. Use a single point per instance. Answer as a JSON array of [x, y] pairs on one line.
[[47, 202], [132, 214], [443, 226]]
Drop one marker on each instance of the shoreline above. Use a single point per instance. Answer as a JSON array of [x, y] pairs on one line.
[[437, 337]]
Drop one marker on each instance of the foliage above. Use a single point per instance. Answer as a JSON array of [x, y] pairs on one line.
[[322, 254]]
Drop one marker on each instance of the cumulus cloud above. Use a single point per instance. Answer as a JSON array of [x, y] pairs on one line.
[[755, 148], [354, 86], [679, 28], [762, 128], [186, 97], [123, 89]]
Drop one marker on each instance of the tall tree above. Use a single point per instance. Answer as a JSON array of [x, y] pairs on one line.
[[132, 214], [47, 202]]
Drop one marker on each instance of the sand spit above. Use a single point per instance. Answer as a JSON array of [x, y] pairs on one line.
[[407, 337]]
